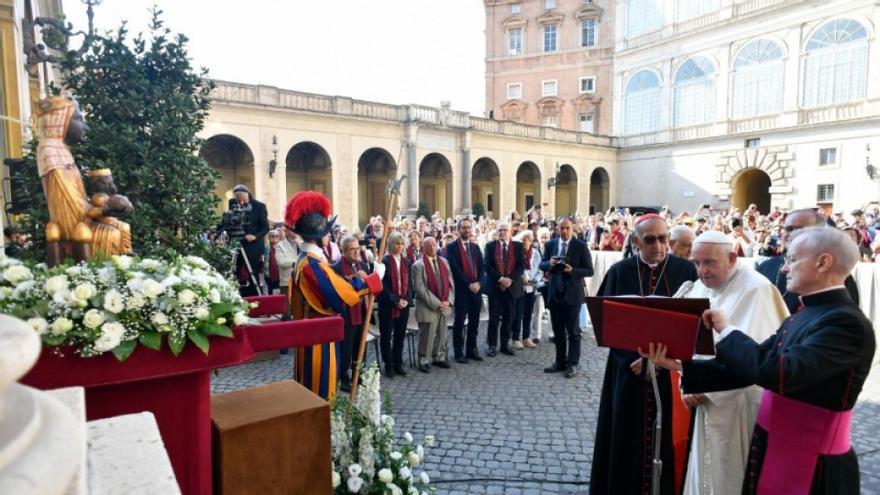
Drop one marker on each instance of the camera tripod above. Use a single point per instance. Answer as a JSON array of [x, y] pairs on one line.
[[253, 278]]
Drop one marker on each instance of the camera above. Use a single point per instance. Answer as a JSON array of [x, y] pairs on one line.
[[235, 220], [560, 263]]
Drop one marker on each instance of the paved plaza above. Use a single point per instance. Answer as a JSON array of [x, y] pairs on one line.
[[504, 426]]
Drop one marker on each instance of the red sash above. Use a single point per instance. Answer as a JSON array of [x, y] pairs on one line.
[[797, 434], [356, 312], [528, 258], [442, 293], [467, 262], [411, 254], [398, 287], [505, 270]]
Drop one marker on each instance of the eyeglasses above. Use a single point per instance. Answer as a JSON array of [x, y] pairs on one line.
[[651, 239], [791, 228]]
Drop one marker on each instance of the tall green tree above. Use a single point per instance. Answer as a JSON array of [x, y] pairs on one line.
[[144, 104]]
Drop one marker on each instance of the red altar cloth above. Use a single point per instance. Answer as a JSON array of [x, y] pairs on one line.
[[176, 390]]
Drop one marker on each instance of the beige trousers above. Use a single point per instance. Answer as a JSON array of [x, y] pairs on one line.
[[432, 340]]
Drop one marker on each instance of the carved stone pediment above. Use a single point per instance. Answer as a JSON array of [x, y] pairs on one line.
[[549, 105], [550, 17], [513, 110], [516, 20], [591, 11], [587, 100]]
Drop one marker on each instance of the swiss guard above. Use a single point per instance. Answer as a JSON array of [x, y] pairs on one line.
[[316, 290]]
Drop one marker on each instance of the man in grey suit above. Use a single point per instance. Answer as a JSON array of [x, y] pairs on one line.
[[435, 294]]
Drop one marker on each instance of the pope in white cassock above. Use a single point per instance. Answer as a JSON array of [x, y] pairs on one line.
[[723, 421]]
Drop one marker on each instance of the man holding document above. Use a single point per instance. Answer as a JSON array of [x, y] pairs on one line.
[[812, 371]]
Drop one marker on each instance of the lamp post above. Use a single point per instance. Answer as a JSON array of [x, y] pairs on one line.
[[551, 182], [273, 163]]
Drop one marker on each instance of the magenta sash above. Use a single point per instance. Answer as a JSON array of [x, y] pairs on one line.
[[797, 434]]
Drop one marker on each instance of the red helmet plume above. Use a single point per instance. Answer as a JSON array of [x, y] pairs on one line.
[[305, 202]]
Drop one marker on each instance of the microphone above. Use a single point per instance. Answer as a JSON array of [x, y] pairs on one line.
[[684, 290]]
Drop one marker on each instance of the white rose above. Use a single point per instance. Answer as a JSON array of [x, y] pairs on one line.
[[113, 301], [414, 459], [186, 297], [240, 319], [407, 437], [385, 475], [150, 264], [159, 319], [62, 297], [39, 324], [214, 296], [20, 292], [136, 301], [396, 456], [405, 473], [420, 451], [395, 490], [202, 313], [93, 318], [336, 479], [425, 479], [61, 326], [16, 273], [107, 275], [151, 288], [412, 490], [84, 292], [355, 470], [56, 284], [171, 281], [111, 336], [122, 262], [197, 261], [354, 484], [74, 271], [221, 321], [429, 440], [135, 284]]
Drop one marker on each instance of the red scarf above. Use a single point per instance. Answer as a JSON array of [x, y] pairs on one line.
[[410, 253], [398, 287], [442, 293], [356, 312], [328, 253], [274, 273], [467, 262], [528, 257], [499, 260]]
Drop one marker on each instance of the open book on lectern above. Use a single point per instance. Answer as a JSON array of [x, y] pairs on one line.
[[629, 322]]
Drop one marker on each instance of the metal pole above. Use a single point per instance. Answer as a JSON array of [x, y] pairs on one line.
[[657, 466]]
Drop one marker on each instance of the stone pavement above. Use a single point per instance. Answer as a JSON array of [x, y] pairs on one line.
[[504, 426]]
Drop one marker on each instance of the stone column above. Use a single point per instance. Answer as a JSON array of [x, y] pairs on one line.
[[410, 192], [466, 175]]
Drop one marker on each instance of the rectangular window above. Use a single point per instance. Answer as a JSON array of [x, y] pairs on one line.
[[825, 193], [550, 38], [827, 156], [753, 143], [549, 88], [585, 123], [514, 41], [587, 84], [588, 33], [514, 91], [515, 8], [490, 202], [549, 4], [550, 121]]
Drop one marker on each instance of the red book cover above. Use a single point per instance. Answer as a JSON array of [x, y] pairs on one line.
[[628, 327]]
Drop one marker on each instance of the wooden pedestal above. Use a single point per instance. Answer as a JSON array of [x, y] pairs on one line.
[[271, 439]]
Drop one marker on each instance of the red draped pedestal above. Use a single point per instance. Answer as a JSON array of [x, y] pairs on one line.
[[177, 390]]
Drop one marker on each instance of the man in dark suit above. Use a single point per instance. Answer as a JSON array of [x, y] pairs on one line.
[[466, 263], [350, 266], [504, 268], [253, 242], [568, 261]]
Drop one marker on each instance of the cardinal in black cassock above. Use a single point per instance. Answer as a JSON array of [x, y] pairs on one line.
[[622, 453]]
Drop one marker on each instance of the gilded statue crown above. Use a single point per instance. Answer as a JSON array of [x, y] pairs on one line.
[[100, 172]]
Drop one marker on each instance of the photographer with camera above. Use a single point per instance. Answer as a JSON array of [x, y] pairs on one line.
[[246, 223]]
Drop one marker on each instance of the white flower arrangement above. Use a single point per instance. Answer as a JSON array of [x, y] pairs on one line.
[[365, 459], [116, 304]]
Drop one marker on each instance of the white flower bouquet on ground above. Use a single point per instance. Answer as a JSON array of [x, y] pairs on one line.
[[365, 460], [114, 305]]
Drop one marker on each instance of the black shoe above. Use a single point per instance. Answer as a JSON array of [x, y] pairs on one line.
[[554, 368], [442, 364], [474, 356], [398, 370], [389, 372], [536, 340], [424, 368], [571, 372], [462, 360], [345, 386], [491, 352], [508, 351]]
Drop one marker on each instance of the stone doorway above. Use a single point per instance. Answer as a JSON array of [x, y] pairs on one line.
[[752, 186]]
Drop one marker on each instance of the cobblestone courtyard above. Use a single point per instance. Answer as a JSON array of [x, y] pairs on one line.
[[503, 426]]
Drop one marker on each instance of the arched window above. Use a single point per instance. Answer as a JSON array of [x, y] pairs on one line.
[[757, 81], [694, 97], [836, 63], [688, 9], [642, 103], [643, 16]]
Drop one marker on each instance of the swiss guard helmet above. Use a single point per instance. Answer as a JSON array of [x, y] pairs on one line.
[[308, 214]]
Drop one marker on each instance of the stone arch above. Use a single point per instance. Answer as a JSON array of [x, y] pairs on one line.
[[600, 190], [435, 184], [775, 161], [486, 186], [375, 168], [751, 185], [566, 191], [528, 186], [309, 169], [233, 160]]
